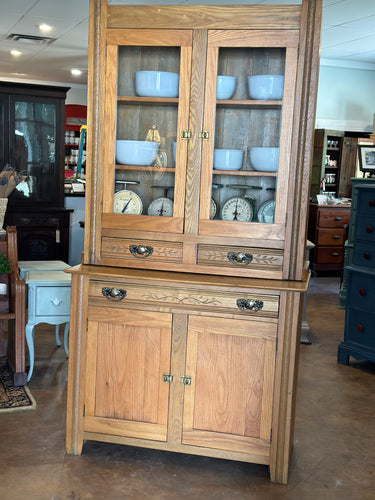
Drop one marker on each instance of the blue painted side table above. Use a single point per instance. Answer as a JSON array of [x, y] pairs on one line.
[[48, 302]]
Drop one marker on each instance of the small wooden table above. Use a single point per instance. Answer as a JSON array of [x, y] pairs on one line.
[[48, 302]]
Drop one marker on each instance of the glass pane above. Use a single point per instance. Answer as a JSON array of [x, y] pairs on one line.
[[34, 149], [247, 134], [146, 134]]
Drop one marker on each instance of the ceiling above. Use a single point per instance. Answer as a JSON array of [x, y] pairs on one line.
[[348, 35]]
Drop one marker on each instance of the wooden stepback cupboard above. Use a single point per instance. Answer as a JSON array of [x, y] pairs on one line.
[[185, 324]]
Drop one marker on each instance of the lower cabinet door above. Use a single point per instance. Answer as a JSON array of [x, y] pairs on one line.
[[228, 404], [128, 352]]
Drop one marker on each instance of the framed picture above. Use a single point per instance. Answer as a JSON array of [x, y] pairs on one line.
[[366, 155]]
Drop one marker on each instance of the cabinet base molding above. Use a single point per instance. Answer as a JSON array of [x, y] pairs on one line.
[[256, 457]]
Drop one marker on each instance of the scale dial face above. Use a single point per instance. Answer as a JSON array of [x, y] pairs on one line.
[[237, 209], [127, 202], [213, 209], [161, 207]]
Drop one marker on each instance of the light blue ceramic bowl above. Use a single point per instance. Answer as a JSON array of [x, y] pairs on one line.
[[228, 159], [264, 159], [141, 153], [266, 87], [156, 84], [225, 87]]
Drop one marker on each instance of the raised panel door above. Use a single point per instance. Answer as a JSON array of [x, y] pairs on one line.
[[228, 405], [127, 354]]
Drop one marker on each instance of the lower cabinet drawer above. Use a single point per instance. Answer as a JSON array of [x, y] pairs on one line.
[[135, 249], [168, 298], [360, 327], [365, 228], [362, 291], [330, 236], [329, 255], [240, 257], [364, 255]]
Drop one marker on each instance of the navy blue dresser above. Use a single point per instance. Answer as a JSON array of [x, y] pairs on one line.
[[359, 339]]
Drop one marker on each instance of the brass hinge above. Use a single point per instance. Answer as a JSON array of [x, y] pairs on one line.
[[186, 134], [87, 324], [204, 135], [185, 380], [167, 378]]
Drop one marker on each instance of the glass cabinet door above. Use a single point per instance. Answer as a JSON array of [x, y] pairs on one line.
[[247, 123], [146, 127], [33, 148]]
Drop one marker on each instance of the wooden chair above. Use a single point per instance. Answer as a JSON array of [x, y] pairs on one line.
[[13, 306]]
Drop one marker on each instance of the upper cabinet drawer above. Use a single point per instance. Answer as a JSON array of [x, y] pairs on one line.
[[333, 218]]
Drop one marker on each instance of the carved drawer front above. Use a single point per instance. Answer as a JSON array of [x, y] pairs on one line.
[[136, 250], [333, 218], [240, 257], [331, 237], [130, 295]]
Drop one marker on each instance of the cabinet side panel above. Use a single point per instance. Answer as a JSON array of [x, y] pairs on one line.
[[303, 127], [95, 129]]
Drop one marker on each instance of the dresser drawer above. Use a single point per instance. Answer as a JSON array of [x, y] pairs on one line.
[[364, 255], [330, 237], [329, 255], [132, 295], [365, 228], [333, 218], [240, 257], [52, 301], [361, 288], [366, 202], [360, 327], [135, 249]]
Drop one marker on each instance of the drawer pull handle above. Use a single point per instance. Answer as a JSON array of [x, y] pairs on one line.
[[336, 237], [366, 255], [362, 292], [116, 294], [371, 203], [335, 254], [360, 327], [140, 250], [368, 229], [249, 304], [337, 219], [56, 301], [240, 258]]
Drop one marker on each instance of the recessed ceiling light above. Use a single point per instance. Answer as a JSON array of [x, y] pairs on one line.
[[45, 27], [76, 72], [15, 52]]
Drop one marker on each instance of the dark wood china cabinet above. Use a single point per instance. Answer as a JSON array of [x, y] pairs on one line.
[[32, 141]]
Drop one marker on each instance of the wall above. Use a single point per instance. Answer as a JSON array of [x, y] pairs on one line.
[[346, 99]]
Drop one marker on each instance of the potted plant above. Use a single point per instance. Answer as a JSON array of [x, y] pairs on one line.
[[4, 271]]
